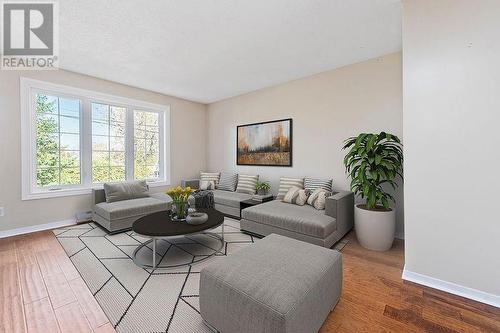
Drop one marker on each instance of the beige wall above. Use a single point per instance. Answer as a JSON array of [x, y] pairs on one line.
[[188, 132], [451, 120], [326, 109]]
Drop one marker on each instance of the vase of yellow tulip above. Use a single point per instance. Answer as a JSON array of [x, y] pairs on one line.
[[180, 205]]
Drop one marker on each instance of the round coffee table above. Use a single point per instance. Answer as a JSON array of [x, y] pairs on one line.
[[160, 226]]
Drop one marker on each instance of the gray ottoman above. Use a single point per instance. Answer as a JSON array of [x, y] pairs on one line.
[[276, 285]]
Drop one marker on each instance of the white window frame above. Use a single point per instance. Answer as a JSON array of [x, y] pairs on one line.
[[28, 90]]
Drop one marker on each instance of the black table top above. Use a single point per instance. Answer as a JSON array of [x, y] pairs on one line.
[[253, 202], [160, 225]]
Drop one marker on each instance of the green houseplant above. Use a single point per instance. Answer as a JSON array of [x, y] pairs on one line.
[[262, 187], [374, 162]]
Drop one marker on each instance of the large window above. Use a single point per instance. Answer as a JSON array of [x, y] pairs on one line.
[[146, 145], [75, 140], [57, 140], [108, 143]]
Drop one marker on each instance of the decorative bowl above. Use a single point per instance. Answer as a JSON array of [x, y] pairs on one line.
[[196, 218]]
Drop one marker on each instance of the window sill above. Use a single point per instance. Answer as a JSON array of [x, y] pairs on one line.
[[76, 191]]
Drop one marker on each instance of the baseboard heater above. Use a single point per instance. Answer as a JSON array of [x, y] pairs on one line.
[[83, 217]]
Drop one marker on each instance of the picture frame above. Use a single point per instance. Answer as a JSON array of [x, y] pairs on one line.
[[267, 143]]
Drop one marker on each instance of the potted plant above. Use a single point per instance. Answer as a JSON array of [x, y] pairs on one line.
[[262, 187], [373, 162]]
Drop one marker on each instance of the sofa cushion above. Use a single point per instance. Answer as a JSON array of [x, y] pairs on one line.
[[162, 197], [301, 219], [231, 199], [286, 183], [210, 176], [312, 184], [247, 184], [130, 208], [228, 181], [126, 190]]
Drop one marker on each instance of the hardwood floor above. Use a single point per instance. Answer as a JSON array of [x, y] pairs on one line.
[[375, 299], [41, 291]]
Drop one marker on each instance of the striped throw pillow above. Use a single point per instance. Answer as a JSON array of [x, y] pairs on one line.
[[318, 198], [286, 183], [246, 184], [228, 181], [209, 176], [296, 196], [312, 184]]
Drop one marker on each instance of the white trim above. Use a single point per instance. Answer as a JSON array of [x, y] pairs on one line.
[[94, 95], [452, 288], [29, 86], [35, 228]]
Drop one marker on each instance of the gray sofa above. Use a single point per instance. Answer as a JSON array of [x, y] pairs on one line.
[[226, 202], [120, 215], [320, 227]]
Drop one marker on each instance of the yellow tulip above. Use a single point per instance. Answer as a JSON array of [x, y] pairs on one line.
[[180, 193]]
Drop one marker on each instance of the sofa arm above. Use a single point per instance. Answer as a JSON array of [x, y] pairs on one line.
[[193, 183], [98, 196], [341, 206]]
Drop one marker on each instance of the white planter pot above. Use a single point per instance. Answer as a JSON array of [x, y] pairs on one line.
[[375, 229]]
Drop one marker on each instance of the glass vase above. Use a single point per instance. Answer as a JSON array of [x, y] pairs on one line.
[[179, 210]]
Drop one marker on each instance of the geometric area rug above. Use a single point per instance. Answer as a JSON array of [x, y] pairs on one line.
[[136, 299]]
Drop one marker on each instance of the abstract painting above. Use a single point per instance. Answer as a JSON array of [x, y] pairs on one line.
[[268, 143]]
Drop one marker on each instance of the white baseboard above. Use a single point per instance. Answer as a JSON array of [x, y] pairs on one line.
[[452, 288], [35, 228]]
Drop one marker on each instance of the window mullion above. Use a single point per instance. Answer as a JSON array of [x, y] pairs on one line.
[[129, 144], [86, 139], [161, 144], [59, 139]]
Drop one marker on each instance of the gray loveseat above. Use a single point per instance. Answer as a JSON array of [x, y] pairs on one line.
[[119, 215]]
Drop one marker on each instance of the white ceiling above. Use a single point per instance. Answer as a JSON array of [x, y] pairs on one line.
[[208, 50]]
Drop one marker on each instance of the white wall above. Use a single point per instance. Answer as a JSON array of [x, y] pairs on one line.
[[326, 109], [451, 132], [188, 132]]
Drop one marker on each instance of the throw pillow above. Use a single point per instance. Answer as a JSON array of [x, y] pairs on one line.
[[246, 184], [286, 183], [210, 176], [318, 198], [302, 197], [207, 185], [296, 195], [126, 190], [228, 181], [312, 184], [292, 194]]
